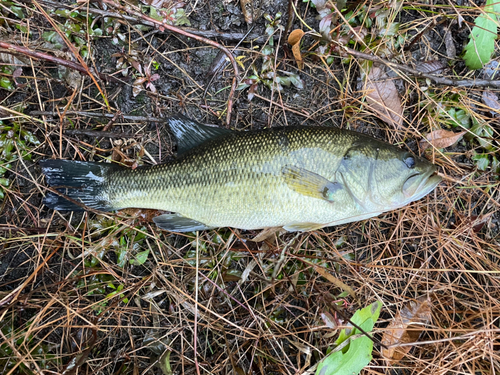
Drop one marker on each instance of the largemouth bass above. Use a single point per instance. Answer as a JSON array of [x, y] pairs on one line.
[[298, 178]]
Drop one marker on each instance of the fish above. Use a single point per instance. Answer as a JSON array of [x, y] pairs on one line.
[[300, 178]]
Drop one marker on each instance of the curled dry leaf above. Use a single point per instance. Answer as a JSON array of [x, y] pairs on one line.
[[441, 139], [491, 100], [247, 8], [403, 330], [433, 67], [294, 40], [137, 86], [383, 97]]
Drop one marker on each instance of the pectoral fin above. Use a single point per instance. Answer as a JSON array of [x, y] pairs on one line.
[[309, 183], [178, 223]]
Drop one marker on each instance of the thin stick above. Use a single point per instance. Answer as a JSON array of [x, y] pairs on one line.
[[419, 74], [163, 26]]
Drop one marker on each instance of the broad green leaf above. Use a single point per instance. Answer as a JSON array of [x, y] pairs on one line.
[[482, 39], [140, 258], [482, 161], [6, 83], [359, 318], [358, 355], [351, 359], [18, 11]]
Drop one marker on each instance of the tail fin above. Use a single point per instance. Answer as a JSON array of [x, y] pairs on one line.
[[84, 182]]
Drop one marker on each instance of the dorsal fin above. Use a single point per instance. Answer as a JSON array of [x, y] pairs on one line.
[[189, 133]]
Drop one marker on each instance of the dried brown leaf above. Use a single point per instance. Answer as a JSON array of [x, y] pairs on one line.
[[137, 86], [491, 100], [383, 96], [294, 40], [433, 67], [441, 138], [402, 329], [247, 10]]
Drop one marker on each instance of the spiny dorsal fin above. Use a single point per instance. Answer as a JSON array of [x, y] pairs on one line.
[[189, 133]]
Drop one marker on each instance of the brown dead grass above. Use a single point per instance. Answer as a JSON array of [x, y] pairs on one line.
[[211, 302]]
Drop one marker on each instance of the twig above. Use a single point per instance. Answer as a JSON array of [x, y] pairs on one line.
[[219, 63], [420, 74], [100, 115], [177, 30], [75, 52], [230, 36], [14, 49], [97, 133]]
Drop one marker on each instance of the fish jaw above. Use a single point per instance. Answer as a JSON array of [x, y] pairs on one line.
[[427, 183]]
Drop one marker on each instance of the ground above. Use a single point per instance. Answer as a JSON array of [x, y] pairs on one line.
[[109, 293]]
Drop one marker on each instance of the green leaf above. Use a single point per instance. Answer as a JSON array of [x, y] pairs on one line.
[[181, 18], [359, 318], [121, 257], [495, 164], [351, 359], [18, 11], [484, 133], [482, 39], [140, 258], [459, 118], [482, 161], [6, 83]]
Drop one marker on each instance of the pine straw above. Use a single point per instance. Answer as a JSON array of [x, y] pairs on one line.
[[210, 302]]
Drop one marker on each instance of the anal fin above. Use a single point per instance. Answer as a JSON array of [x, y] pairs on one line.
[[178, 223], [302, 227]]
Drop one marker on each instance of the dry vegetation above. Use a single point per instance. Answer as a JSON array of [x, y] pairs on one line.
[[111, 294]]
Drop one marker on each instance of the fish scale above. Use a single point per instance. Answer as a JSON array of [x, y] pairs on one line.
[[300, 178]]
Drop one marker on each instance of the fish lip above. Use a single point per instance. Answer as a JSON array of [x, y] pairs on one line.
[[429, 180]]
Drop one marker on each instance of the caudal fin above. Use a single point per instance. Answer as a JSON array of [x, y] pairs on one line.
[[84, 182]]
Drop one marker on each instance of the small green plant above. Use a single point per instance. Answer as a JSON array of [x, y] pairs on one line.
[[111, 242], [76, 28], [364, 28], [353, 349], [19, 342], [482, 38], [6, 78], [268, 75], [126, 243], [172, 15], [15, 142], [449, 112]]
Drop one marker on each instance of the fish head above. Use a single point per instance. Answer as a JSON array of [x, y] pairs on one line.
[[401, 177]]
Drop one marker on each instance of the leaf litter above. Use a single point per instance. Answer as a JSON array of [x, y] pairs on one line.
[[383, 96], [441, 138], [198, 288], [406, 328]]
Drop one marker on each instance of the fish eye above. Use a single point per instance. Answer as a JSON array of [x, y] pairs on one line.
[[409, 161]]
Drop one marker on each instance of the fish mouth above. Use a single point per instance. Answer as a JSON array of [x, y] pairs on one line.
[[419, 185]]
